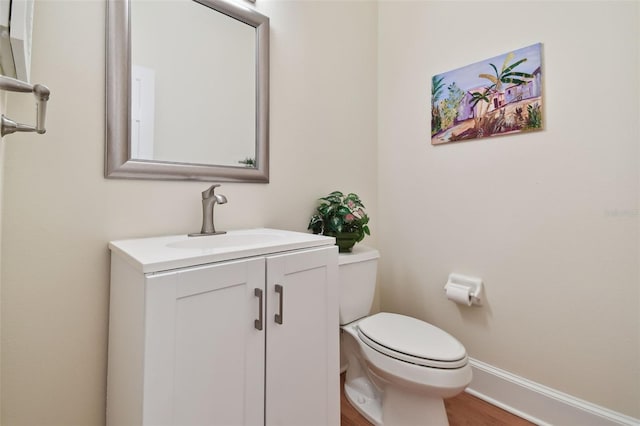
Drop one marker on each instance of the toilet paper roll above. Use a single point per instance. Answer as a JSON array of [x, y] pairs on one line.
[[458, 293]]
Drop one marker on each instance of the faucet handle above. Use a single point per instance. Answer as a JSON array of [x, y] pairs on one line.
[[209, 191]]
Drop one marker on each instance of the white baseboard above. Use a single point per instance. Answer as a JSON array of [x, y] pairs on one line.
[[537, 403]]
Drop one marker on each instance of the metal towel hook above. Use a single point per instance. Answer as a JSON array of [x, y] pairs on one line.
[[8, 126]]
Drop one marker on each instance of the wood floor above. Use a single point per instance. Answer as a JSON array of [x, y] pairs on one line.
[[462, 410]]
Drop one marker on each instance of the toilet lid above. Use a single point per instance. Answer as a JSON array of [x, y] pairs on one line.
[[411, 340]]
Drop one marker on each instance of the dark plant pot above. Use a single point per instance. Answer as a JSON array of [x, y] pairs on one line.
[[344, 240]]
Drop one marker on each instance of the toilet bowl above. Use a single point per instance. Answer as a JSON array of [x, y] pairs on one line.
[[398, 369]]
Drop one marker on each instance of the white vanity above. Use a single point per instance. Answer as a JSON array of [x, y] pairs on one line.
[[234, 329]]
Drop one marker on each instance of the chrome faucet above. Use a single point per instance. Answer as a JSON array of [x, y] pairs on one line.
[[209, 200]]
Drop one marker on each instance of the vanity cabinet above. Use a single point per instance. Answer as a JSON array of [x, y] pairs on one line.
[[219, 340]]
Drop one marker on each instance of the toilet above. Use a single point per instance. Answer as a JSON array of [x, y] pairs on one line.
[[398, 369]]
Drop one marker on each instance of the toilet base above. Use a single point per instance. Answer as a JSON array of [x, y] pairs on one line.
[[364, 399], [400, 408], [410, 409]]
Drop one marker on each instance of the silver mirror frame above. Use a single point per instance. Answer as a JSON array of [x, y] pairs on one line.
[[118, 161]]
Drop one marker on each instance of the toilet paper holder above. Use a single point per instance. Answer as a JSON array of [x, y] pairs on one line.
[[472, 286]]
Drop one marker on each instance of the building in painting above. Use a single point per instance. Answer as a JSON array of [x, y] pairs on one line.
[[468, 110], [514, 93], [530, 89]]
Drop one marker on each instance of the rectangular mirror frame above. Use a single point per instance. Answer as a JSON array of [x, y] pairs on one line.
[[118, 161]]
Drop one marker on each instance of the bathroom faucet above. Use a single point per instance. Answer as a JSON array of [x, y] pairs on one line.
[[209, 200]]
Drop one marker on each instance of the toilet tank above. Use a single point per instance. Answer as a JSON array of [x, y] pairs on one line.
[[357, 275]]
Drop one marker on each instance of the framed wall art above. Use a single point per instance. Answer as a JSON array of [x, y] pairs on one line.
[[497, 96]]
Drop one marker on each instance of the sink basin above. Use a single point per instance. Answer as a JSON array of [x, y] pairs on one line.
[[212, 242]]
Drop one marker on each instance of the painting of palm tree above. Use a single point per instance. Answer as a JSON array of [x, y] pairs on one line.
[[497, 96], [436, 91]]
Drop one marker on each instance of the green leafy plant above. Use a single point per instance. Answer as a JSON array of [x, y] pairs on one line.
[[534, 119], [248, 162], [449, 106], [339, 213]]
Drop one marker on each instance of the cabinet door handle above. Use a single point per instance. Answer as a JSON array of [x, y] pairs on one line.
[[258, 323], [280, 291]]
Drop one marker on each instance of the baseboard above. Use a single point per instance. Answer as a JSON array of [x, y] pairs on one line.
[[537, 403]]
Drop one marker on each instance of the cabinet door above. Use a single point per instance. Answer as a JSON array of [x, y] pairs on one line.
[[303, 349], [204, 355]]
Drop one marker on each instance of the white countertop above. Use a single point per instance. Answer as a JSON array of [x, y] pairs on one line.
[[179, 251]]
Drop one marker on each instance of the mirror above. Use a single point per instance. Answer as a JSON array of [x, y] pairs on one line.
[[187, 91]]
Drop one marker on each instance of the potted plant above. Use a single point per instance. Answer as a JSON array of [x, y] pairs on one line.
[[342, 217]]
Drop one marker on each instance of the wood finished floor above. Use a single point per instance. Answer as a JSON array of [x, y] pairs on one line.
[[462, 410]]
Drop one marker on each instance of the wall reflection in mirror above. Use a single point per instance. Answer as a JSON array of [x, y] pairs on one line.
[[200, 120], [198, 91]]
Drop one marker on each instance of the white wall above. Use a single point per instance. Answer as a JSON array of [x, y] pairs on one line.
[[59, 211], [549, 220]]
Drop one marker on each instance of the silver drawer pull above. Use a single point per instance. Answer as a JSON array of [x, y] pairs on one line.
[[258, 323], [280, 291]]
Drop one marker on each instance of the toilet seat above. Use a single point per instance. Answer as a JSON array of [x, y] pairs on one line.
[[411, 340]]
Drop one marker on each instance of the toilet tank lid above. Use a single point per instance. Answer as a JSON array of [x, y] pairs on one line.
[[359, 253]]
